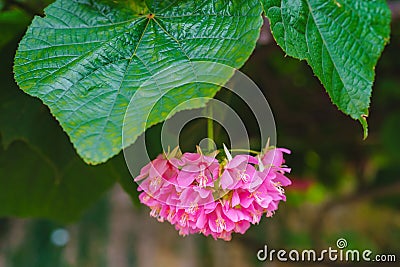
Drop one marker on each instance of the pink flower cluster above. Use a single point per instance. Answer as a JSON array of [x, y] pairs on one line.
[[198, 194]]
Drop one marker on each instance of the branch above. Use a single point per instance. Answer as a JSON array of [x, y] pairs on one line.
[[324, 210], [22, 5], [390, 189]]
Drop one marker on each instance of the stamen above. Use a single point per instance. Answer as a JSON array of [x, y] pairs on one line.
[[183, 220], [221, 225], [244, 176], [155, 182], [279, 187], [193, 208], [203, 180], [154, 212], [256, 195]]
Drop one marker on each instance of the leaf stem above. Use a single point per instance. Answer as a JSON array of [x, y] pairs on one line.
[[210, 128], [245, 150]]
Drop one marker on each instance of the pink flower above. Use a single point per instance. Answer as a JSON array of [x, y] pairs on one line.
[[155, 175], [238, 172], [199, 168], [197, 194], [218, 222]]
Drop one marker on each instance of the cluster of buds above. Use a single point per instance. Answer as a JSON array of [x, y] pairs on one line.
[[198, 194]]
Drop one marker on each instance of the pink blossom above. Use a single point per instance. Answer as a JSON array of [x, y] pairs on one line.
[[197, 194], [238, 172], [199, 168]]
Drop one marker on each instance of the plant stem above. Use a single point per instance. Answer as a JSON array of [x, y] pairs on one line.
[[245, 150], [210, 128]]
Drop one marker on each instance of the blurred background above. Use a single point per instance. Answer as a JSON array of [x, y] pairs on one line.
[[343, 187]]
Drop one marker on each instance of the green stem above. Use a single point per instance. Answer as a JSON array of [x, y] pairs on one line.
[[245, 150], [210, 128]]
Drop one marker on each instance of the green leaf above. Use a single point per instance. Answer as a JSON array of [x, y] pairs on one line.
[[31, 186], [40, 173], [12, 24], [42, 176], [341, 40], [86, 59]]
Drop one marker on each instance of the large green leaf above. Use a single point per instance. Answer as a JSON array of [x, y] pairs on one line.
[[340, 39], [40, 173], [31, 186], [12, 22], [86, 59]]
